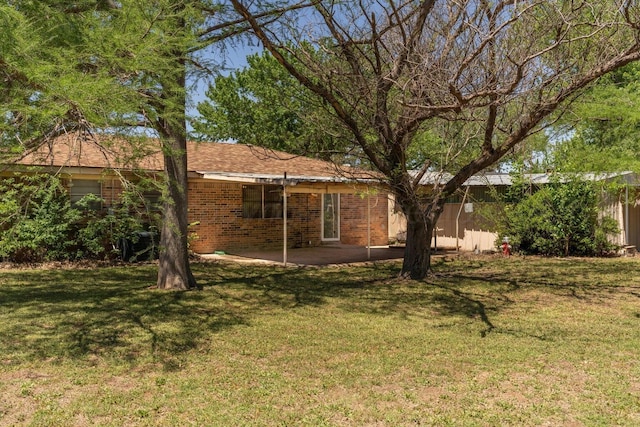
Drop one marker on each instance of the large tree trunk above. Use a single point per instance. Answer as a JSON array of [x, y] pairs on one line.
[[174, 271], [421, 221], [417, 252]]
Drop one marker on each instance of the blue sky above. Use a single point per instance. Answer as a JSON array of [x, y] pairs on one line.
[[234, 58]]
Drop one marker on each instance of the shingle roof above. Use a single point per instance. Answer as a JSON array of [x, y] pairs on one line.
[[505, 179], [87, 152], [203, 158], [246, 159]]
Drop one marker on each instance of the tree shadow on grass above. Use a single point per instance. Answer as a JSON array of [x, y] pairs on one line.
[[112, 312], [589, 281], [56, 314], [374, 290], [464, 290]]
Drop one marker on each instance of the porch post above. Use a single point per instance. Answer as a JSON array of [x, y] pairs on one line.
[[284, 220], [626, 214], [368, 224], [464, 198]]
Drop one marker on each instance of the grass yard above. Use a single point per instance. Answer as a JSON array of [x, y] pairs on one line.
[[485, 342]]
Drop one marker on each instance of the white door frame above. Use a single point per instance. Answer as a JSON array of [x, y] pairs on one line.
[[337, 218]]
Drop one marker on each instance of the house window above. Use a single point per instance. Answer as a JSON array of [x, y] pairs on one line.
[[152, 200], [261, 201], [79, 188]]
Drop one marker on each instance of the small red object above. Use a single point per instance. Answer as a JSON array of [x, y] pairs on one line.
[[506, 249]]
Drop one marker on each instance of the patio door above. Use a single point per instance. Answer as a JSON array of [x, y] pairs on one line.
[[331, 217]]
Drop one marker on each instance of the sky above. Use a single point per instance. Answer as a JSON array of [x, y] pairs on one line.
[[234, 58]]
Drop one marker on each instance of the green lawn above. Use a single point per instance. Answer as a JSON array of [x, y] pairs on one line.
[[484, 342]]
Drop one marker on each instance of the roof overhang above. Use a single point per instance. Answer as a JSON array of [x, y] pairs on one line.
[[297, 183], [505, 179], [83, 171]]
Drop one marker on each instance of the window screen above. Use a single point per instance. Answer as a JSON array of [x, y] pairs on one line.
[[81, 187], [261, 201], [252, 201], [272, 201]]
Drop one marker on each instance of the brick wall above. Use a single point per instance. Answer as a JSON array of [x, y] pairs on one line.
[[353, 219], [217, 208]]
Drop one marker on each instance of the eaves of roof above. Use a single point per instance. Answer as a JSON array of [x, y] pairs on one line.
[[280, 179], [505, 179], [206, 160]]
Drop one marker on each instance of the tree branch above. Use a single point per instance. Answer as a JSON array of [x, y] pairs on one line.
[[320, 90]]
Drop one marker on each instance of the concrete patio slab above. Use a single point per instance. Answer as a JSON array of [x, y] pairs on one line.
[[316, 256]]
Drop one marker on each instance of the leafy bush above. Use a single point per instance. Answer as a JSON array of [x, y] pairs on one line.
[[39, 223], [106, 234], [558, 219], [36, 219]]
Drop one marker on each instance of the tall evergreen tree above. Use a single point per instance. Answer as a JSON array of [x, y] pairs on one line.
[[262, 104], [121, 66], [602, 128]]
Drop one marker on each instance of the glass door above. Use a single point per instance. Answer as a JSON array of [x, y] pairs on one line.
[[330, 217]]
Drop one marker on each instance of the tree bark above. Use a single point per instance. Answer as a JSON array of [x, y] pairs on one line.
[[417, 252], [421, 220], [174, 271]]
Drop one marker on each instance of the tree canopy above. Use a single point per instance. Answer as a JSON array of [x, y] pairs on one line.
[[602, 127], [481, 76], [49, 84], [262, 104], [116, 67]]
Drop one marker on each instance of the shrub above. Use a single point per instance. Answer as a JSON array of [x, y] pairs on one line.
[[107, 234], [559, 219], [39, 223], [36, 219]]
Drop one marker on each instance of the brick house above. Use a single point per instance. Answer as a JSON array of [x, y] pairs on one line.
[[237, 193]]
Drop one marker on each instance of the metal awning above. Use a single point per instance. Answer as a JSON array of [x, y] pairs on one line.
[[297, 183]]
